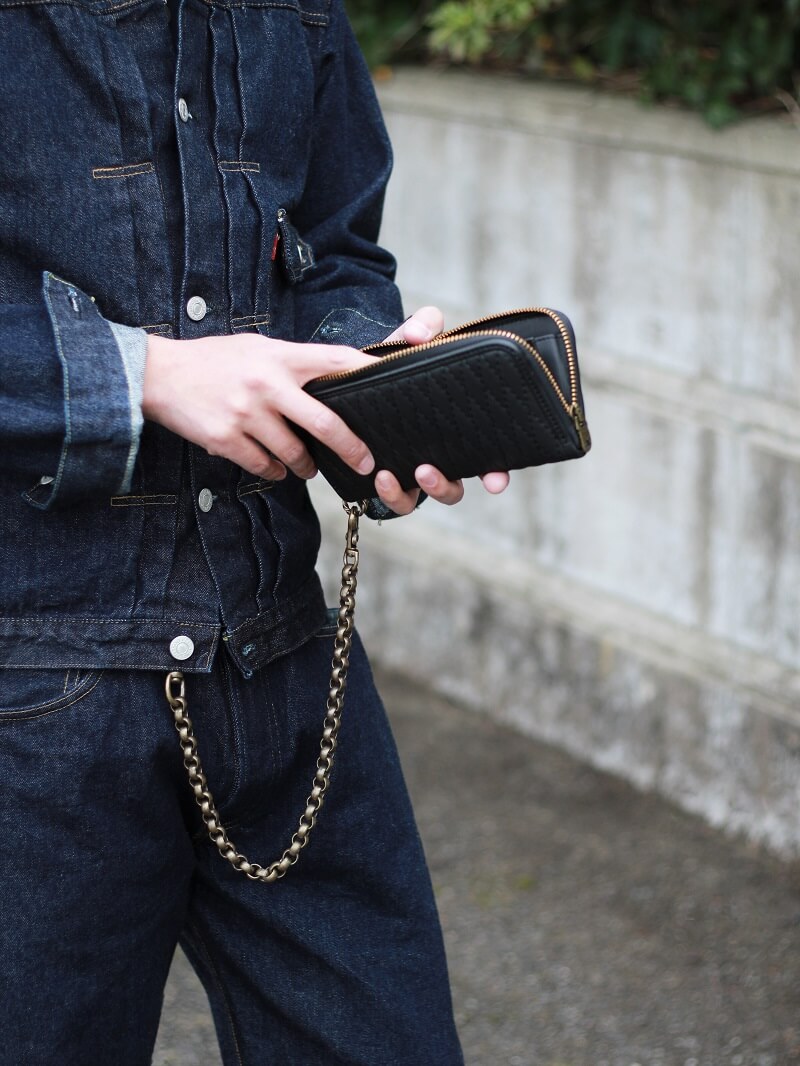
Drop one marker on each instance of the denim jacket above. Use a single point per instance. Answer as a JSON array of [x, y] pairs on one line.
[[232, 185]]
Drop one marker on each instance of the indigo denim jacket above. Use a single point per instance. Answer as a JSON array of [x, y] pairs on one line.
[[231, 184]]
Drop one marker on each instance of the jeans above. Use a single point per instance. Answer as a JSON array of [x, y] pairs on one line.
[[105, 866]]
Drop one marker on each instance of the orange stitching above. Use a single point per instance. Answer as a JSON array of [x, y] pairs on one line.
[[249, 490], [247, 325], [126, 170], [305, 16]]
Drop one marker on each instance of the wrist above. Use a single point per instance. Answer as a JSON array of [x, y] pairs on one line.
[[158, 361]]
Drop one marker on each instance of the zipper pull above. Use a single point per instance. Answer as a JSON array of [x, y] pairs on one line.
[[579, 421]]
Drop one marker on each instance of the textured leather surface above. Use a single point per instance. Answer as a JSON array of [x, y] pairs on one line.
[[469, 405]]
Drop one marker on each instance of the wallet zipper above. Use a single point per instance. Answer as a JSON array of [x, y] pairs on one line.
[[571, 406]]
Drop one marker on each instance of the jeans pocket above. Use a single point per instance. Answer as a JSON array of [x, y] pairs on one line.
[[32, 693]]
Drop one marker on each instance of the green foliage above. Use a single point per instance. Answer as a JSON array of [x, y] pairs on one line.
[[720, 57], [389, 29]]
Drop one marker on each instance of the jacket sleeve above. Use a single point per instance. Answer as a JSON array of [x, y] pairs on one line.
[[350, 296], [70, 397]]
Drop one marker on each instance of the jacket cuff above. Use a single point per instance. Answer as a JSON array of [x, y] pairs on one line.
[[132, 345], [103, 369]]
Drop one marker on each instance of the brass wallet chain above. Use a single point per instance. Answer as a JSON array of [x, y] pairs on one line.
[[176, 697]]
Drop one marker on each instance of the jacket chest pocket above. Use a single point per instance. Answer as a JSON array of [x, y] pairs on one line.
[[78, 155]]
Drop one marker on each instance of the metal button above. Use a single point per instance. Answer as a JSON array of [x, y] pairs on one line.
[[183, 110], [181, 647], [205, 501], [196, 308]]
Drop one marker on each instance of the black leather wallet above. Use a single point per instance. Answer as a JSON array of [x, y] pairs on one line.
[[499, 393]]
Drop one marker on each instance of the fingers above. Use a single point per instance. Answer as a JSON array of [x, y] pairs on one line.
[[250, 456], [321, 423], [429, 478], [308, 361], [496, 482], [422, 326], [435, 484], [238, 396], [388, 488], [304, 362], [262, 396]]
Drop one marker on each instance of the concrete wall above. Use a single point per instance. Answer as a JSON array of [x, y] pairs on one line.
[[640, 608]]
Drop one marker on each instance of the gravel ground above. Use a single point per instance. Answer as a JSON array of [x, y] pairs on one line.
[[586, 924]]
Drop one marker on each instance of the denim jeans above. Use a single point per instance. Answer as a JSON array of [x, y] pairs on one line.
[[105, 866]]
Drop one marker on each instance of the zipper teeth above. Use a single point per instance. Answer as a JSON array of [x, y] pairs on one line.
[[562, 329], [443, 338]]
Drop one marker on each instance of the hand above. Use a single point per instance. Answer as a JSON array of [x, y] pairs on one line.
[[233, 395], [422, 326]]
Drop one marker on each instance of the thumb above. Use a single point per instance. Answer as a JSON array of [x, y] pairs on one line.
[[420, 327]]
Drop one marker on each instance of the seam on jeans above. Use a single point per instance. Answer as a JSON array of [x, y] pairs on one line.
[[293, 606], [201, 948], [114, 663], [213, 146], [255, 486], [24, 716], [124, 4], [242, 523], [159, 327], [263, 272], [163, 500], [249, 318], [249, 325], [112, 622], [38, 619], [208, 657], [260, 318], [200, 529], [35, 3], [68, 3], [234, 166], [256, 554], [126, 170], [66, 681], [305, 16], [233, 711]]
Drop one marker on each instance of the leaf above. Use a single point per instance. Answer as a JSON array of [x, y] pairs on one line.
[[720, 113], [583, 68]]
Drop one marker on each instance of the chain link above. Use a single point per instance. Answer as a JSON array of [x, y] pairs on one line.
[[176, 697]]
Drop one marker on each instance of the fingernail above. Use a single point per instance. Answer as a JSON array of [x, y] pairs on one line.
[[382, 480], [426, 478], [367, 465], [421, 331]]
